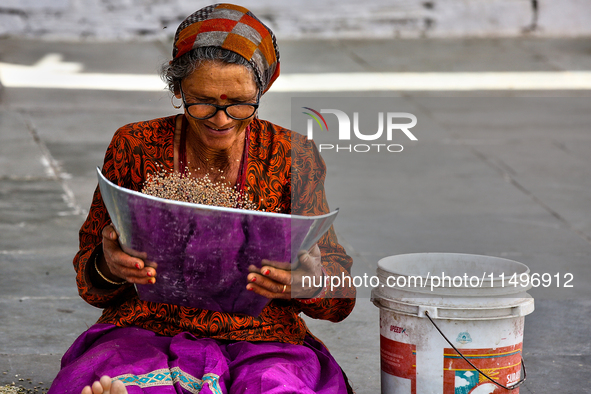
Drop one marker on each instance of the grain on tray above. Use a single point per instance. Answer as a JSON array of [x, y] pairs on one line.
[[174, 186]]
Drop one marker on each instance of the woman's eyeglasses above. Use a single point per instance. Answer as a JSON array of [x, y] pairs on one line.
[[203, 111]]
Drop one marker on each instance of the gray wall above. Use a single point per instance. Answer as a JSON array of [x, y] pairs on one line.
[[292, 19]]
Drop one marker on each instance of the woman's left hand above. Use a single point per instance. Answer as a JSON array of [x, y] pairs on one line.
[[275, 279]]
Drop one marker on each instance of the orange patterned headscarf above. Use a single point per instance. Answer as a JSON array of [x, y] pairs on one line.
[[233, 28]]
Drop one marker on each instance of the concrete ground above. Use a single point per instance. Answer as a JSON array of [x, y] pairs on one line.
[[501, 173]]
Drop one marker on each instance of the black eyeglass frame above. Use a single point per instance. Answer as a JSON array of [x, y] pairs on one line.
[[218, 107]]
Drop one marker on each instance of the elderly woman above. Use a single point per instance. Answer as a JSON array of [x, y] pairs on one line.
[[224, 59]]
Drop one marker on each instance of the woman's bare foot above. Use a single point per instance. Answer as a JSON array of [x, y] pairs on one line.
[[105, 386]]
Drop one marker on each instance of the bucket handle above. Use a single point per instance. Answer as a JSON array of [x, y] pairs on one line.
[[513, 386]]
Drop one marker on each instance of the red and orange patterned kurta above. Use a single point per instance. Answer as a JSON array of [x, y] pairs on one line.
[[279, 162]]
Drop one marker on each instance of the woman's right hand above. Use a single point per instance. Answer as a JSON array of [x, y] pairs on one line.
[[117, 265]]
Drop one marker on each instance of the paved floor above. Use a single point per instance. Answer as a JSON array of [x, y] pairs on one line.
[[497, 173]]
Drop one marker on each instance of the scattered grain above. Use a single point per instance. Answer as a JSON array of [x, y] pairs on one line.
[[174, 186]]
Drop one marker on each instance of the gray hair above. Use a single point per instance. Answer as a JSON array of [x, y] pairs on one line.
[[172, 73]]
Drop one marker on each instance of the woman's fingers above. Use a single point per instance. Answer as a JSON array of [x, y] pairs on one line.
[[271, 282], [307, 278], [279, 291], [282, 265], [276, 279], [276, 274], [109, 232], [133, 275], [128, 267], [122, 265], [254, 268], [310, 260]]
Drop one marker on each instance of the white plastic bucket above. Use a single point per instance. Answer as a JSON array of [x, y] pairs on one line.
[[482, 316]]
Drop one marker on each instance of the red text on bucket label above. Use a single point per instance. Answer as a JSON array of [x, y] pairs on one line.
[[513, 377], [399, 362], [398, 330]]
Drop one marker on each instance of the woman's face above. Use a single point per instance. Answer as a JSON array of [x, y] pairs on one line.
[[221, 84]]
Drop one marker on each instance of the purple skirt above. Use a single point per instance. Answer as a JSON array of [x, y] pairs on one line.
[[150, 363]]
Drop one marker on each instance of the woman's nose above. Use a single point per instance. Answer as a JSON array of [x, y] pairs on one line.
[[220, 118]]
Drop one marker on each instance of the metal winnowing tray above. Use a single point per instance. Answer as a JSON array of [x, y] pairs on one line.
[[203, 252]]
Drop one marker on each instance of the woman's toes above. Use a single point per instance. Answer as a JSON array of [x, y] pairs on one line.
[[97, 388], [118, 388], [106, 384]]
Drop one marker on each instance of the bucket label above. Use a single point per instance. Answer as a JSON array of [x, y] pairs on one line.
[[464, 338], [501, 364], [400, 360]]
